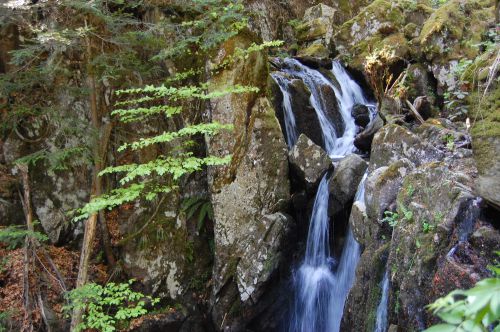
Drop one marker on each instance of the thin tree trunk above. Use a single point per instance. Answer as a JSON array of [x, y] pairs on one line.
[[27, 246], [91, 222], [106, 242]]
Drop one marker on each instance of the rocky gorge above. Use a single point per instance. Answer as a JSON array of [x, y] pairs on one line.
[[368, 153]]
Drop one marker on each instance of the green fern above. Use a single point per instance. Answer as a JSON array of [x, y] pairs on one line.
[[201, 205]]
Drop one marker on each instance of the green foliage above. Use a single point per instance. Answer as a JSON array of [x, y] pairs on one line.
[[407, 213], [449, 139], [14, 236], [391, 218], [195, 35], [471, 310], [410, 190], [201, 205], [59, 160], [5, 321], [426, 226], [107, 307]]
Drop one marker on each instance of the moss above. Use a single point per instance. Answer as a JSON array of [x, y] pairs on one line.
[[315, 50], [453, 22], [314, 29]]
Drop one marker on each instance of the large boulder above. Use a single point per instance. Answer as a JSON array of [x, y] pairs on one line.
[[309, 161], [428, 253], [378, 26], [344, 182], [382, 187], [485, 133], [248, 194], [431, 218], [394, 142], [317, 24]]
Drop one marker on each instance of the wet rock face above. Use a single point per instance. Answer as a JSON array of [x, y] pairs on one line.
[[248, 195], [361, 115], [306, 118], [309, 161], [344, 182]]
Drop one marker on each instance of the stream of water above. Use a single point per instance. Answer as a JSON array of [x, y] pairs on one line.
[[381, 322], [321, 283]]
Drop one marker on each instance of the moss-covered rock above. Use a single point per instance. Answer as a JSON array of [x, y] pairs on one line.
[[317, 24], [380, 25], [452, 30], [314, 50], [361, 306], [394, 142], [486, 132], [382, 187], [430, 206], [247, 195]]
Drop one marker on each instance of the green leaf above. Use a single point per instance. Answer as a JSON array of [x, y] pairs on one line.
[[442, 328]]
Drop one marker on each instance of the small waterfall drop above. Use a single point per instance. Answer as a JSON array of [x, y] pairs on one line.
[[314, 280], [321, 287], [313, 80], [337, 142], [381, 322], [349, 94], [322, 283], [289, 117]]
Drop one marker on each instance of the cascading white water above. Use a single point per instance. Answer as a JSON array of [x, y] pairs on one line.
[[350, 93], [321, 292], [314, 280], [289, 117], [322, 286], [381, 322], [313, 80]]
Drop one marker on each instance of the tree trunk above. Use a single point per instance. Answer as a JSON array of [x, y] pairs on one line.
[[91, 222]]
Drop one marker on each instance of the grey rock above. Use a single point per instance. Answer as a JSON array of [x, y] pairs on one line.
[[382, 187], [344, 182], [309, 161], [393, 142], [363, 140]]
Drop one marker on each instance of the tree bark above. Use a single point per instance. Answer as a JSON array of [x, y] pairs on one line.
[[91, 222], [28, 307]]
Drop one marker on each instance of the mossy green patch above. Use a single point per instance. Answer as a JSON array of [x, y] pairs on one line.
[[452, 31], [316, 51]]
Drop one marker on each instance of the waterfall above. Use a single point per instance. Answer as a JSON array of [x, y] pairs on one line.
[[289, 117], [321, 283], [321, 292], [338, 143], [349, 94], [313, 80], [314, 280], [381, 323]]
